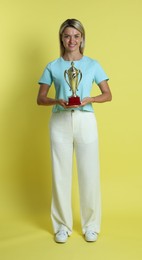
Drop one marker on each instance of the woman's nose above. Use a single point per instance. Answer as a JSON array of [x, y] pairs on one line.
[[71, 39]]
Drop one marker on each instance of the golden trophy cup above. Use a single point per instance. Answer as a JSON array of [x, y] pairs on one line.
[[73, 77]]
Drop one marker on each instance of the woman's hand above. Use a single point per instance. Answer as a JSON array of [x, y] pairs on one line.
[[86, 101], [62, 103]]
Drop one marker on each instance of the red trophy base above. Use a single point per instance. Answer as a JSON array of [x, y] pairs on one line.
[[74, 101]]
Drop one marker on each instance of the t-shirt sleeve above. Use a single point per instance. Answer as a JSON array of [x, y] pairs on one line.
[[100, 74], [46, 77]]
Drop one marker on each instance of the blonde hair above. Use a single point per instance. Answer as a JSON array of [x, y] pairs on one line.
[[78, 26]]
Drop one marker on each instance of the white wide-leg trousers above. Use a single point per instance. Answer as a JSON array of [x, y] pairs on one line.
[[69, 131]]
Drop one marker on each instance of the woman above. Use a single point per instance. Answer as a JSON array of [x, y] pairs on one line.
[[73, 127]]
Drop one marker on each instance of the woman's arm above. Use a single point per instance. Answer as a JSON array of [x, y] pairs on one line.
[[44, 100], [103, 97], [106, 93]]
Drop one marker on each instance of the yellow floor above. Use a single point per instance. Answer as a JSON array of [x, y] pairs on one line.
[[32, 239]]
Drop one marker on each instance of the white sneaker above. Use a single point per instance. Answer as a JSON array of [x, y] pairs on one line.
[[91, 236], [61, 236]]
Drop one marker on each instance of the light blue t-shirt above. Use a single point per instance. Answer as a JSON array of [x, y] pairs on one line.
[[92, 72]]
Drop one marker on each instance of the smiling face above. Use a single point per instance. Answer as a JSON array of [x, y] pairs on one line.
[[71, 39]]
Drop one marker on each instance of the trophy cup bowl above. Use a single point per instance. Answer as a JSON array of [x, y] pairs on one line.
[[73, 77]]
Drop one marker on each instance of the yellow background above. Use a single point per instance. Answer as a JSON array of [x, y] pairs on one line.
[[29, 40]]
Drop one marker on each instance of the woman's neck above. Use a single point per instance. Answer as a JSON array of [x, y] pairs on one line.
[[72, 56]]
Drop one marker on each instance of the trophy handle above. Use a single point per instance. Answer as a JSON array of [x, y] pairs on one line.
[[79, 72], [66, 73]]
